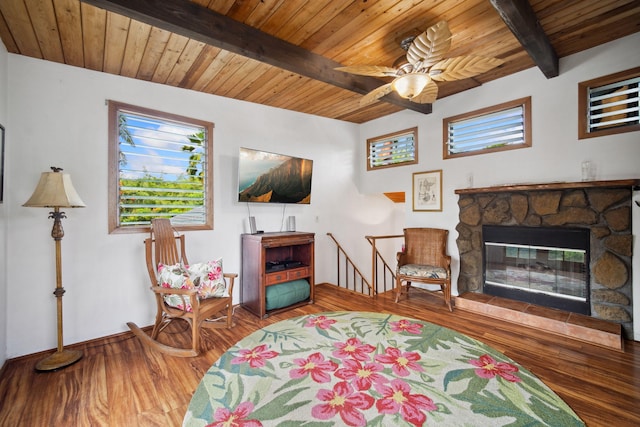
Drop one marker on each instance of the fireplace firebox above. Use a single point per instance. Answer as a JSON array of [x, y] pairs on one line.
[[545, 266]]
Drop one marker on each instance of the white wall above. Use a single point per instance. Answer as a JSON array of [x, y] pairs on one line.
[[3, 221], [556, 154], [58, 117]]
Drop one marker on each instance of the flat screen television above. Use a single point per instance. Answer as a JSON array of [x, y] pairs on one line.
[[265, 177]]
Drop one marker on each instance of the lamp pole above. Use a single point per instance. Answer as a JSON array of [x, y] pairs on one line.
[[61, 357]]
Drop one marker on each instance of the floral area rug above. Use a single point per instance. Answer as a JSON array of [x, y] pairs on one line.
[[369, 369]]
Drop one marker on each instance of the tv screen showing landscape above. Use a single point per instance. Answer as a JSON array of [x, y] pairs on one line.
[[265, 177]]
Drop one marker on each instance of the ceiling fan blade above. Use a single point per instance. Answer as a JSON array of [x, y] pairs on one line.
[[428, 94], [462, 67], [369, 70], [375, 94], [430, 46]]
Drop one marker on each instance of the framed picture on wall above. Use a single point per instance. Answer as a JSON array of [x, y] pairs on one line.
[[427, 191]]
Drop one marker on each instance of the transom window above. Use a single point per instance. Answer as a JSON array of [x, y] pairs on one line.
[[394, 149], [500, 127], [160, 167], [609, 104]]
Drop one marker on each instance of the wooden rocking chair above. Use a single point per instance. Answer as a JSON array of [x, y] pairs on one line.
[[425, 260], [162, 248]]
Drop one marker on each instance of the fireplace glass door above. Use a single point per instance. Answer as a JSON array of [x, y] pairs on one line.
[[553, 276]]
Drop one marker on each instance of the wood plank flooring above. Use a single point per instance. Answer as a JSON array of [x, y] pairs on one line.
[[118, 382]]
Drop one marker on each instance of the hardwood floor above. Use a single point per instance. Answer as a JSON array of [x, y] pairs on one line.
[[120, 383]]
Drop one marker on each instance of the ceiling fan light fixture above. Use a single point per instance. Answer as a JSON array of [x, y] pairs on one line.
[[417, 73], [410, 85]]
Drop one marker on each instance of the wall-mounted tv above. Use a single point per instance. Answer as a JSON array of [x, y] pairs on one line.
[[265, 177]]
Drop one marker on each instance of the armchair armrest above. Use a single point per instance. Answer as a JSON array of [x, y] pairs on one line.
[[448, 265], [188, 296], [401, 257], [173, 291], [230, 278]]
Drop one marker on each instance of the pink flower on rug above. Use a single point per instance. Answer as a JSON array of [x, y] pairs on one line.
[[225, 418], [257, 357], [489, 368], [404, 325], [320, 322], [397, 397], [360, 376], [315, 366], [400, 362], [353, 348], [345, 401]]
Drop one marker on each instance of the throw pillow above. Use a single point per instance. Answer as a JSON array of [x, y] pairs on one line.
[[207, 277], [175, 277]]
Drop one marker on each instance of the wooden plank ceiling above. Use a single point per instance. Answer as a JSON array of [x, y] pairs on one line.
[[282, 53]]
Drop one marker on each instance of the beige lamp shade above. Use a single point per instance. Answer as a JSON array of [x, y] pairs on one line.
[[55, 190]]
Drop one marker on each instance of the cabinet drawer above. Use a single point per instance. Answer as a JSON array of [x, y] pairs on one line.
[[298, 273], [287, 275], [273, 278]]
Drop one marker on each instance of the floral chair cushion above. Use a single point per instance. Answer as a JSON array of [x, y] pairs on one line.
[[208, 279], [427, 271], [176, 277]]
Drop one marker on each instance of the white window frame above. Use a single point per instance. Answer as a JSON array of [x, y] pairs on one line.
[[399, 149], [588, 97], [487, 142], [202, 221]]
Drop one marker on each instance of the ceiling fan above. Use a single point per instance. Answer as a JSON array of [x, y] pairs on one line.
[[414, 79]]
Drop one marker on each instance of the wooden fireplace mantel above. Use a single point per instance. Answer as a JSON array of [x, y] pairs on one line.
[[552, 186]]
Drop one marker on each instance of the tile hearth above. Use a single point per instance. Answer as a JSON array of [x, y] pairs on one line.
[[572, 325]]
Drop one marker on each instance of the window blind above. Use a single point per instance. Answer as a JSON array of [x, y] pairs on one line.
[[399, 149], [614, 105], [497, 129], [161, 170]]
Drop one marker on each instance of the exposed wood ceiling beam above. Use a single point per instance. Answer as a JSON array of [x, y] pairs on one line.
[[199, 23], [523, 23]]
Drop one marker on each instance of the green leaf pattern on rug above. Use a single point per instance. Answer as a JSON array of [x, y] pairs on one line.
[[373, 369]]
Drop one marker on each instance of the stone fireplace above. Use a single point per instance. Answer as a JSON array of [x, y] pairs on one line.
[[601, 207]]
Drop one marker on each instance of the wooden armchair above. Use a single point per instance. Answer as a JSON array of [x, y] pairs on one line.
[[166, 249], [425, 260]]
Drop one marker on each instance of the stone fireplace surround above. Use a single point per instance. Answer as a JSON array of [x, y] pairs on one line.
[[602, 206]]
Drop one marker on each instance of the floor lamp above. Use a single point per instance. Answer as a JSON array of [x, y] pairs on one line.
[[56, 191]]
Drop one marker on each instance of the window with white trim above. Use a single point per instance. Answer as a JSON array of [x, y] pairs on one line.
[[394, 149], [501, 127], [161, 166], [609, 104]]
